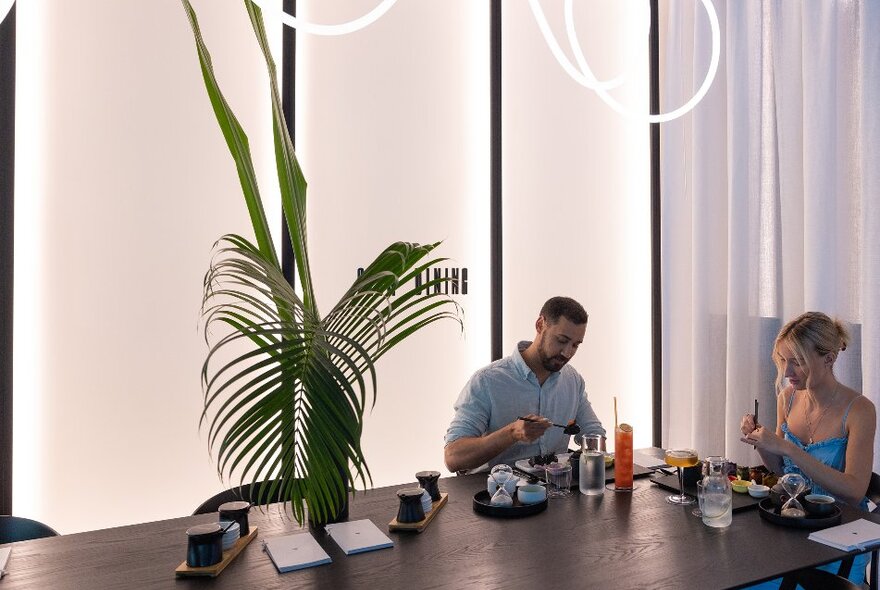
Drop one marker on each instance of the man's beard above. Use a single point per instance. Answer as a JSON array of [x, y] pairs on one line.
[[553, 364]]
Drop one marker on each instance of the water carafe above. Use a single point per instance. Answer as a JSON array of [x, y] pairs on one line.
[[591, 478], [716, 501]]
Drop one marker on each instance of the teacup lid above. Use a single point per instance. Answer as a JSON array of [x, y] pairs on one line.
[[204, 530], [427, 474], [237, 506], [410, 493]]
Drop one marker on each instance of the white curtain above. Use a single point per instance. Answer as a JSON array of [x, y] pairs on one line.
[[770, 194]]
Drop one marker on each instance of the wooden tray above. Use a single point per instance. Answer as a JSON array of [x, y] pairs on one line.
[[422, 524], [212, 571]]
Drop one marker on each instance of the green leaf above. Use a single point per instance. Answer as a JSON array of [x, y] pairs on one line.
[[285, 390]]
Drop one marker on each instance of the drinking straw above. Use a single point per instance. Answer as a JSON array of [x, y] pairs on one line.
[[615, 412]]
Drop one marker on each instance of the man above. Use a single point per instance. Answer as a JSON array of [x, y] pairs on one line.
[[534, 382]]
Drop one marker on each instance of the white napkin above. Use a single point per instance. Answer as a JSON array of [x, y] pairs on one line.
[[858, 534], [4, 557]]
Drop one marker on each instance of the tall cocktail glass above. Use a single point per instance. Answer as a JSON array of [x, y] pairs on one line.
[[623, 458], [681, 458]]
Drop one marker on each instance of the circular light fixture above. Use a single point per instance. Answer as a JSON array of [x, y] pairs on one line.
[[328, 30], [585, 77]]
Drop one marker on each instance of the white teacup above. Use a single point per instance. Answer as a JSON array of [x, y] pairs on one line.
[[509, 485], [531, 493]]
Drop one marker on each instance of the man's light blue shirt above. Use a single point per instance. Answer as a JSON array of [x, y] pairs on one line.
[[495, 395]]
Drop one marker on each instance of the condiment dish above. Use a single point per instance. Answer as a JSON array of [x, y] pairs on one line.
[[758, 491], [740, 486]]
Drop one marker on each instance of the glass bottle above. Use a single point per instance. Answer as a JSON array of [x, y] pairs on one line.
[[717, 501]]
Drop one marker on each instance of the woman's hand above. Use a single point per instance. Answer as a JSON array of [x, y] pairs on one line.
[[748, 424], [764, 440]]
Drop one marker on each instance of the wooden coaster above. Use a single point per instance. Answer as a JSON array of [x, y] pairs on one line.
[[212, 571], [422, 524]]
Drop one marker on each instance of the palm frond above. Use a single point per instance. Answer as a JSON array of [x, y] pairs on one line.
[[285, 391]]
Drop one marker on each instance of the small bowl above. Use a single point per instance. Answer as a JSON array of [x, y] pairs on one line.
[[758, 491], [230, 537], [531, 493], [818, 504], [740, 486]]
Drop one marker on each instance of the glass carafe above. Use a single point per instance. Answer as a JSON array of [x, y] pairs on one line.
[[717, 502], [591, 479]]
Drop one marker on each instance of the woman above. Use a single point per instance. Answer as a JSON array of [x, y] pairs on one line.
[[824, 429]]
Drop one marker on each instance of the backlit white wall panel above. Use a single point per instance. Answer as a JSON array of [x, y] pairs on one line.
[[123, 183], [393, 136], [577, 197]]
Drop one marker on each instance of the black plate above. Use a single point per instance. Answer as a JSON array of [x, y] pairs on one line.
[[483, 505], [770, 512]]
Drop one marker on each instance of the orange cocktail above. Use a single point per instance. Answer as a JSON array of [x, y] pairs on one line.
[[681, 459], [623, 457]]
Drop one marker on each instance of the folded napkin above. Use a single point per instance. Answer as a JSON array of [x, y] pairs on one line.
[[357, 536], [858, 534], [295, 552]]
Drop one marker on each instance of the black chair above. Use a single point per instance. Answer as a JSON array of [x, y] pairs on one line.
[[16, 528], [815, 579], [820, 579], [213, 503], [874, 496], [874, 491]]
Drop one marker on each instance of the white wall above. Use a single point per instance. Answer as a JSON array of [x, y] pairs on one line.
[[577, 199], [123, 183], [393, 136]]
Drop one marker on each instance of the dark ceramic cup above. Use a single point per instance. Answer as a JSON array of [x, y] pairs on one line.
[[818, 504], [204, 545], [237, 511]]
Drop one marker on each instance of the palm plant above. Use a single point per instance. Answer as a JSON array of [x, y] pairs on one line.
[[285, 389]]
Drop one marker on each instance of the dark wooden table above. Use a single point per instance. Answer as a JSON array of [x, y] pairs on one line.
[[612, 541]]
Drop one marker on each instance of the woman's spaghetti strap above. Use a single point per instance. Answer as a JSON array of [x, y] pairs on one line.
[[790, 402], [845, 414]]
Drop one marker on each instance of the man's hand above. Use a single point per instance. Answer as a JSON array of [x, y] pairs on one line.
[[528, 431]]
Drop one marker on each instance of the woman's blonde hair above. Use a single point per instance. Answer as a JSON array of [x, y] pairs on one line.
[[810, 331]]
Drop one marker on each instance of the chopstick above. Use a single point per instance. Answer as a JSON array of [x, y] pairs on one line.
[[533, 420], [756, 418]]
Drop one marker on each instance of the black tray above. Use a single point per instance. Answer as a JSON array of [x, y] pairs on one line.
[[482, 504], [740, 501], [770, 512]]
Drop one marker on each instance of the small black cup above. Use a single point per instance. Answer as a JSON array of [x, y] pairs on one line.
[[237, 511], [818, 504], [428, 481], [410, 509], [204, 545]]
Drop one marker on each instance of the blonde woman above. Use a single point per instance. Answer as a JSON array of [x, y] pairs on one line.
[[824, 429]]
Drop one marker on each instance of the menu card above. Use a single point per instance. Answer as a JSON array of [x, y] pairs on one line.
[[858, 534], [295, 552], [358, 536]]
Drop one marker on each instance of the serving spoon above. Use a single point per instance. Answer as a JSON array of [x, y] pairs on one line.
[[572, 428]]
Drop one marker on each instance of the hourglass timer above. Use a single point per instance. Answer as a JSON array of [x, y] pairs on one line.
[[500, 474], [794, 485]]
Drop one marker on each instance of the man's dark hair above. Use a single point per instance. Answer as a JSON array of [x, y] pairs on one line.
[[557, 307]]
